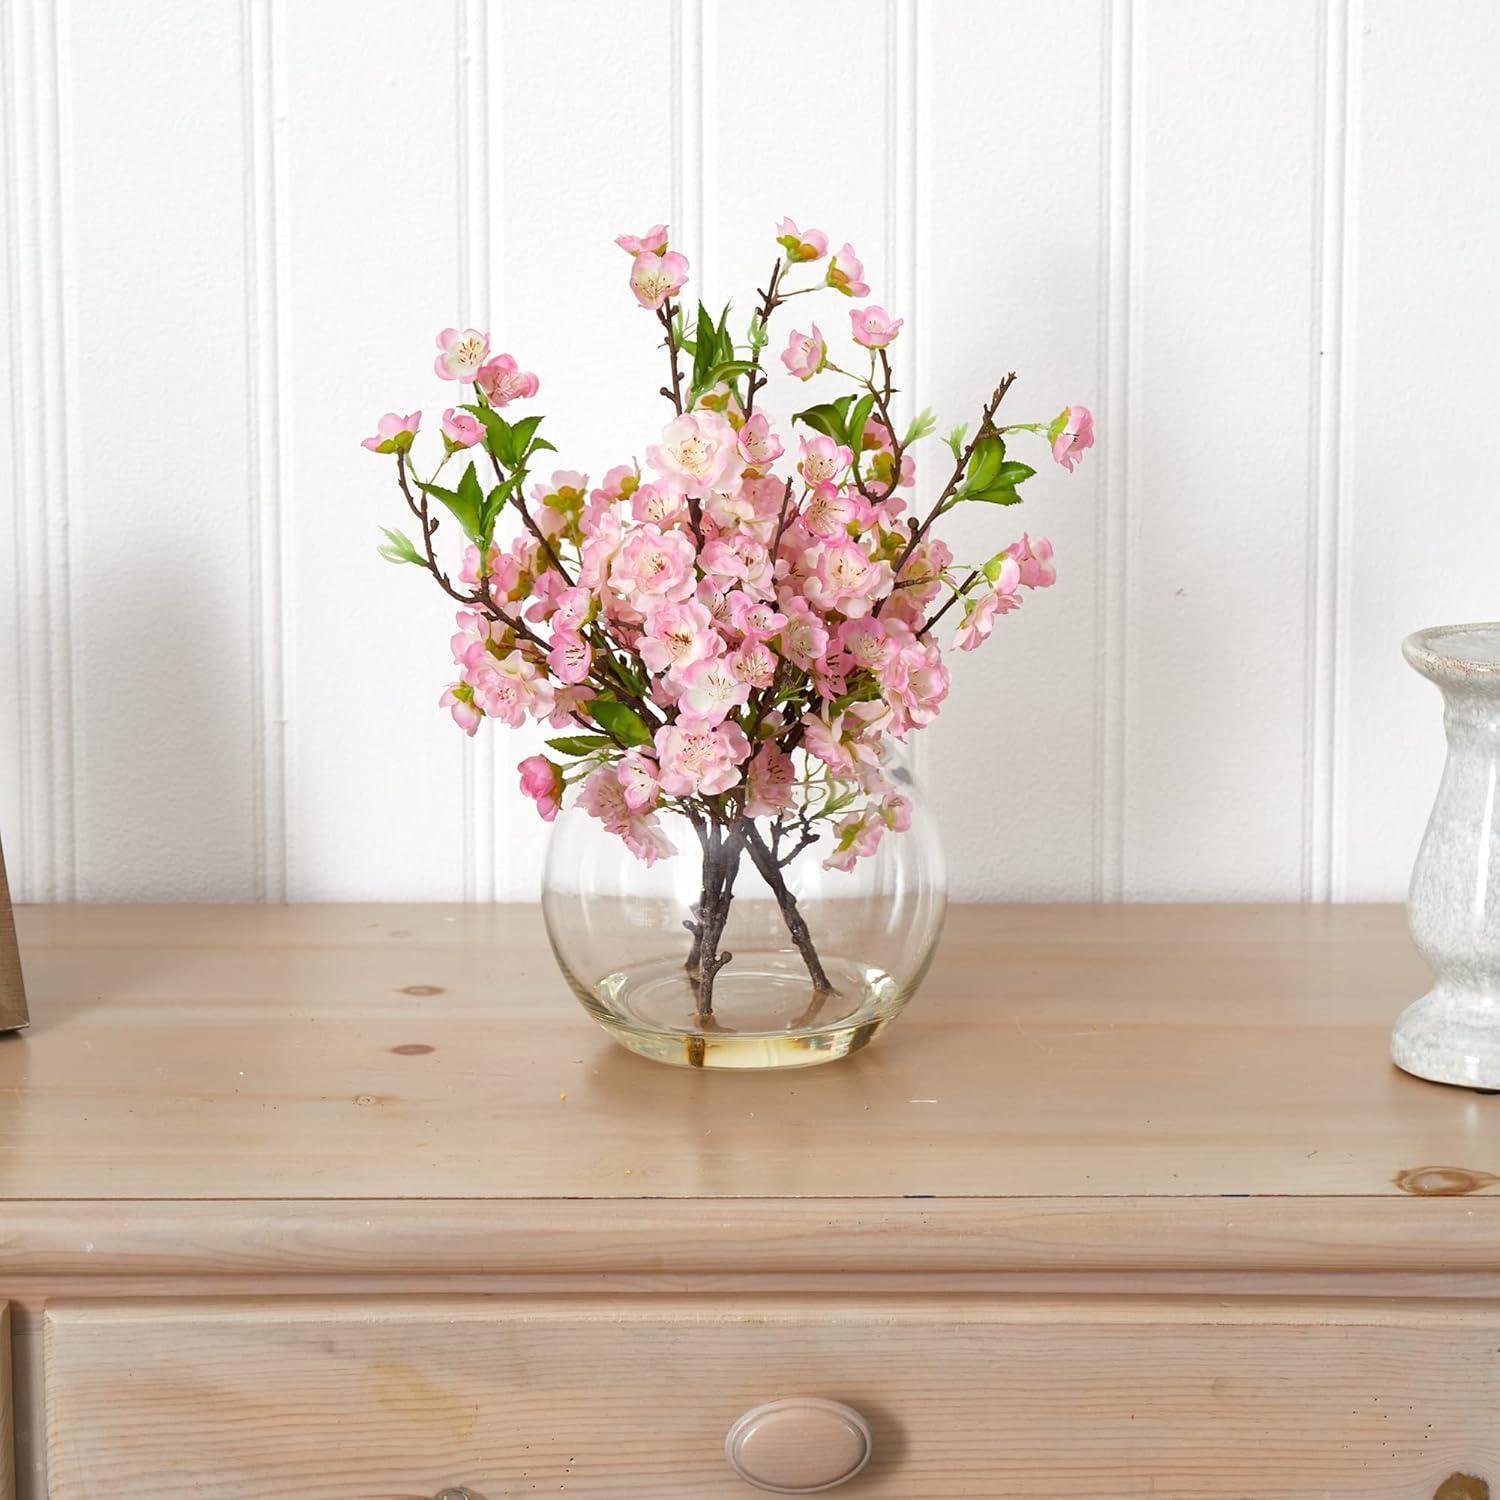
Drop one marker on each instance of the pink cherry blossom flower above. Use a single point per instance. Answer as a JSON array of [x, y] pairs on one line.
[[739, 559], [757, 443], [569, 657], [700, 758], [769, 783], [393, 433], [914, 684], [699, 449], [460, 430], [662, 502], [640, 780], [574, 607], [566, 702], [922, 576], [800, 244], [980, 614], [847, 580], [510, 688], [1035, 558], [846, 273], [458, 699], [542, 781], [804, 639], [677, 635], [754, 663], [620, 483], [503, 381], [653, 567], [653, 242], [823, 739], [864, 646], [654, 278], [754, 617], [823, 460], [856, 836], [603, 797], [805, 354], [873, 326], [710, 690], [828, 512], [1071, 432], [461, 354], [473, 637]]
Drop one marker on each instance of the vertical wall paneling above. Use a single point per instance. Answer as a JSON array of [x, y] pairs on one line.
[[375, 777], [1325, 575], [1013, 213], [1223, 253], [1420, 520], [44, 838], [156, 475], [264, 254], [483, 829], [1117, 306], [13, 604], [1257, 237]]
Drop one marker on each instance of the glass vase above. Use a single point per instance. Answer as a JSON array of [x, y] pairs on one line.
[[741, 949]]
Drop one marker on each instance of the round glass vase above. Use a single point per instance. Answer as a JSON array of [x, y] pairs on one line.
[[795, 964]]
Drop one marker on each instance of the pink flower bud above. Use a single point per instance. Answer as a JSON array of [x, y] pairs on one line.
[[393, 433]]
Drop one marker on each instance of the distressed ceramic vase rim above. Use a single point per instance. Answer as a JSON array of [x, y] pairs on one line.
[[1456, 653]]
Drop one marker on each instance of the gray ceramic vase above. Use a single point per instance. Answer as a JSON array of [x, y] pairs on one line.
[[1452, 1034]]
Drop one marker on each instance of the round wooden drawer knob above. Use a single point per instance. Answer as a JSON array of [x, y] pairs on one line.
[[798, 1446]]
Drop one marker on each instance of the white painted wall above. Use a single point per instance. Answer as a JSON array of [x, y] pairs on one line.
[[1259, 238]]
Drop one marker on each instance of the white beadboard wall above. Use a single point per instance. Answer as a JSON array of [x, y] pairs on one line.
[[1258, 238]]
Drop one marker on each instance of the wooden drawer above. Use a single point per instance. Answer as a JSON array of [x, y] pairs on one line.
[[392, 1399]]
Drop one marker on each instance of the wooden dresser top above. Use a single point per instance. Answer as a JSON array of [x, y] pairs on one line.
[[393, 1052]]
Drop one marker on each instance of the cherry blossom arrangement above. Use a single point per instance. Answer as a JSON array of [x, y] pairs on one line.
[[728, 634]]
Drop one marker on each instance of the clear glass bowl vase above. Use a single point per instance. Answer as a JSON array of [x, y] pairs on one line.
[[796, 964]]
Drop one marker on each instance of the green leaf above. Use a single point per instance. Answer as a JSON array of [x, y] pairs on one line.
[[730, 369], [521, 434], [623, 722], [1010, 475], [855, 425], [995, 497], [466, 502], [581, 744], [497, 434], [540, 445], [955, 440], [826, 418], [856, 428], [705, 347], [924, 424], [984, 463], [399, 548], [495, 501]]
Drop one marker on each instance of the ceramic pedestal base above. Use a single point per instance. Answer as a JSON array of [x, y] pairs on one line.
[[1450, 1037], [1452, 1034]]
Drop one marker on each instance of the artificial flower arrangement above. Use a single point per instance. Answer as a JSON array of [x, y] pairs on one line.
[[729, 633]]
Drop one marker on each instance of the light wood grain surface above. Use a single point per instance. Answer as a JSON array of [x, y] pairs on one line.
[[433, 1051], [629, 1398], [282, 1052]]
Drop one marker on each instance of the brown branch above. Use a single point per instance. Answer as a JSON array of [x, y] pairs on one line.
[[664, 317], [985, 429], [428, 523], [769, 302]]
